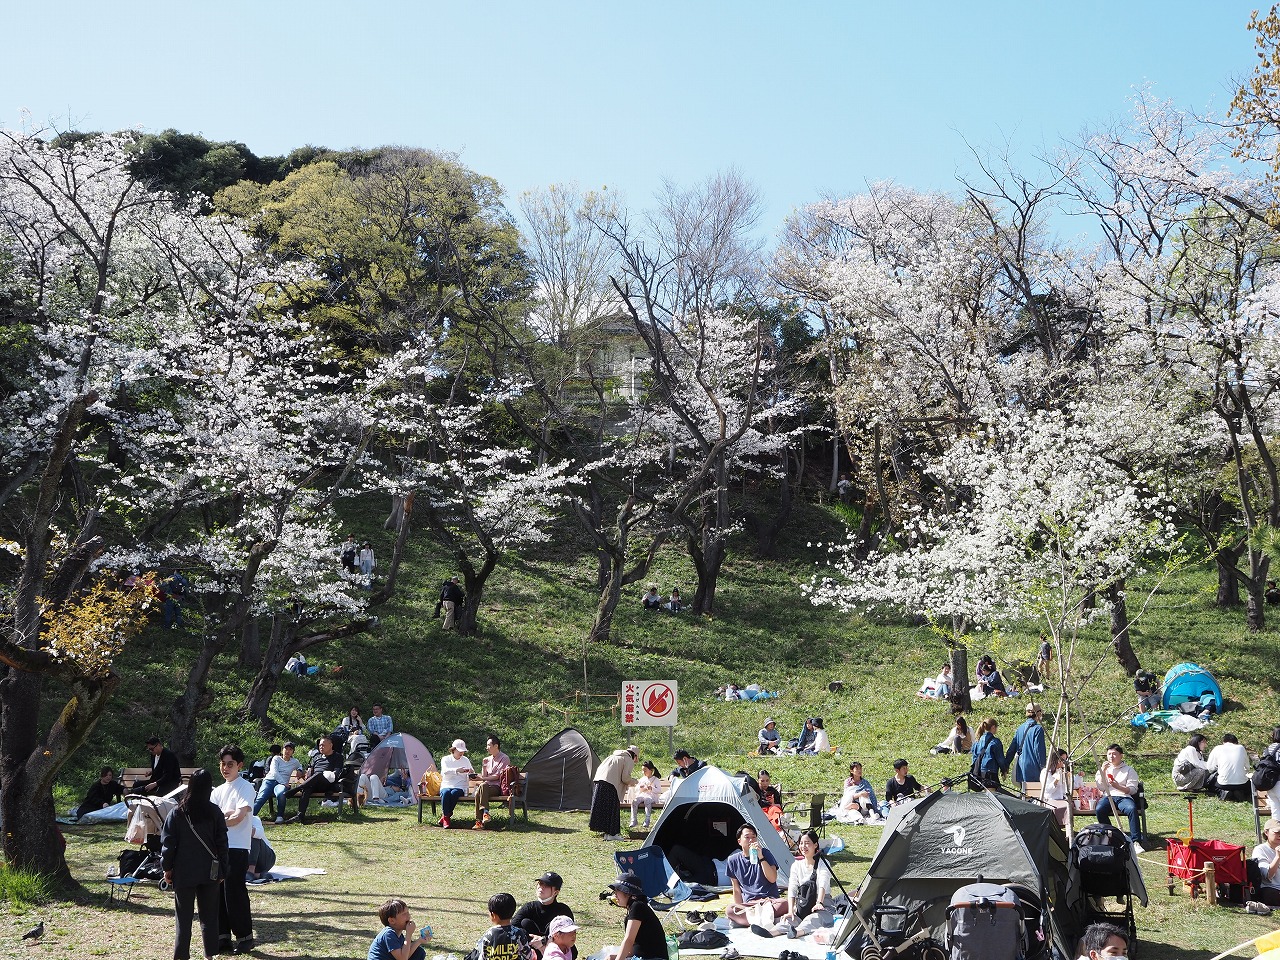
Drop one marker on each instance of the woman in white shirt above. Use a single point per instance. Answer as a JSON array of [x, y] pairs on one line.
[[1055, 785], [821, 742], [455, 774], [809, 877]]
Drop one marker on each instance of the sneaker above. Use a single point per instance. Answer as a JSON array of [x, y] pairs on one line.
[[478, 825], [485, 818], [243, 945], [646, 824], [1261, 909], [1138, 848], [444, 822], [328, 803], [279, 819], [633, 824], [299, 819]]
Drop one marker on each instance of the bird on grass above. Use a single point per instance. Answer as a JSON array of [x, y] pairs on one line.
[[35, 933]]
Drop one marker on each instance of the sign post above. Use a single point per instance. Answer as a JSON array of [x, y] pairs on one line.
[[651, 703]]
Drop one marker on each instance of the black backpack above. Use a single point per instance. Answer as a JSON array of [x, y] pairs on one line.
[[1266, 773], [1101, 848]]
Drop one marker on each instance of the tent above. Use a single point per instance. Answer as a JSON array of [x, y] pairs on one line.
[[1190, 681], [558, 777], [399, 751], [700, 823], [933, 846]]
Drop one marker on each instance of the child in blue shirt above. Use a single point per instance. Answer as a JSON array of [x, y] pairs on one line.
[[398, 940]]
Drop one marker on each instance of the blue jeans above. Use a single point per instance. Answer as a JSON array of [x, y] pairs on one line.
[[449, 799], [265, 791], [1124, 806]]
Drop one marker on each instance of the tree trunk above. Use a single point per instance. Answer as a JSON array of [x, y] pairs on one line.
[[267, 682], [1227, 558], [1255, 617], [1120, 628], [768, 531], [473, 582], [960, 701], [607, 605], [250, 644], [399, 520]]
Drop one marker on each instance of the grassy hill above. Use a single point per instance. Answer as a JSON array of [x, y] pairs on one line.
[[523, 679]]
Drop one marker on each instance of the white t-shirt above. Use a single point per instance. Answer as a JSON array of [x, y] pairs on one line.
[[229, 798], [821, 742], [1053, 786], [1265, 855], [454, 772], [800, 872], [1231, 761]]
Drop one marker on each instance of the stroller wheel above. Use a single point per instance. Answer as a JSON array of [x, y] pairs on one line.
[[165, 886]]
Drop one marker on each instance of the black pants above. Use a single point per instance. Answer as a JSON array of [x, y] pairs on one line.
[[208, 897], [303, 791], [235, 917]]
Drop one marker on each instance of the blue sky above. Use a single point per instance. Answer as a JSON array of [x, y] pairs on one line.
[[801, 97]]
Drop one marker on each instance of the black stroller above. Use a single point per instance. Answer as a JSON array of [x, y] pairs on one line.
[[142, 864], [1102, 866]]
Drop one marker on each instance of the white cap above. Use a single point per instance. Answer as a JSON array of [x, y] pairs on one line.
[[460, 746]]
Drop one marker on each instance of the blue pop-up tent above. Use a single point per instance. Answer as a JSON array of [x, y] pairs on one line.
[[1190, 681]]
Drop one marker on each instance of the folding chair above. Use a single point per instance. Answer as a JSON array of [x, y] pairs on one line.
[[660, 883], [121, 888]]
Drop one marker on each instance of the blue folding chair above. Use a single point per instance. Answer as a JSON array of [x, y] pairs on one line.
[[660, 883]]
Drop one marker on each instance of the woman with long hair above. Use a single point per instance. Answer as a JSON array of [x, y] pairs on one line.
[[958, 740], [1055, 784], [193, 853], [808, 892]]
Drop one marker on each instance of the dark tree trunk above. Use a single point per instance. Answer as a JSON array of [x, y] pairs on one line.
[[401, 515], [1255, 616], [1120, 627], [769, 530], [473, 581], [1227, 558], [960, 700], [250, 644], [267, 682]]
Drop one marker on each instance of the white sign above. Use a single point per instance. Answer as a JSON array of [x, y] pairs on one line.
[[649, 703]]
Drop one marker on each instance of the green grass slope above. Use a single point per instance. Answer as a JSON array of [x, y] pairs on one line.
[[523, 679]]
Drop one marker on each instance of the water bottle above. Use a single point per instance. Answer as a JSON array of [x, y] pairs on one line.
[[673, 947], [831, 955], [755, 855]]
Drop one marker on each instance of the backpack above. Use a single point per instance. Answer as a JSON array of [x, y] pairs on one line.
[[984, 922], [509, 782], [1101, 848], [1266, 773], [431, 784]]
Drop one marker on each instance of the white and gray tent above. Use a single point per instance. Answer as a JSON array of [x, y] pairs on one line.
[[700, 823], [558, 777]]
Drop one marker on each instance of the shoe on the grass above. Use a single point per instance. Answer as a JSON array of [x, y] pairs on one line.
[[1138, 848], [445, 822], [279, 819], [1261, 909], [478, 825], [243, 945]]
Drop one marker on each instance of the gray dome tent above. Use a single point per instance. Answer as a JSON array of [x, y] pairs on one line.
[[558, 777], [933, 846]]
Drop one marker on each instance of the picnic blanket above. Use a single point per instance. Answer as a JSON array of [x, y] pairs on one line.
[[278, 873], [750, 945]]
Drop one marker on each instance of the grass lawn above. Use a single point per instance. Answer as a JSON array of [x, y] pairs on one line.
[[523, 678]]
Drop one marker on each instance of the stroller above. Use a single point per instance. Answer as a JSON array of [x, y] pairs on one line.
[[146, 819], [1102, 866]]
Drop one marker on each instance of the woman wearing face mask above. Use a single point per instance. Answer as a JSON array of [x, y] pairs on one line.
[[535, 917]]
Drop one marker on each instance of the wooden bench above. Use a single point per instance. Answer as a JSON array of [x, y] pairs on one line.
[[664, 785], [129, 775], [509, 800], [1261, 809]]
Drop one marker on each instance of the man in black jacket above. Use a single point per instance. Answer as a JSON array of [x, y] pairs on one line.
[[323, 777], [452, 597], [166, 772]]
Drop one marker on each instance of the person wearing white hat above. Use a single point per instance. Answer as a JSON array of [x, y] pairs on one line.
[[561, 936], [769, 738], [455, 771]]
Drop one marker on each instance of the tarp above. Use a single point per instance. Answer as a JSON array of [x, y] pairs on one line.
[[1189, 681], [701, 820], [399, 751], [117, 811], [933, 846], [558, 777]]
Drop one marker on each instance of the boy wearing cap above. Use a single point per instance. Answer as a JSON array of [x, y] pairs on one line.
[[503, 941], [455, 772], [563, 934], [536, 916]]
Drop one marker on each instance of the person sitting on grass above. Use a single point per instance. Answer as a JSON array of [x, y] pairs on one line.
[[502, 941], [674, 603], [821, 743], [1189, 769], [901, 786], [399, 939], [262, 856], [768, 739], [770, 798], [651, 600], [643, 938], [959, 740], [536, 916], [859, 795], [105, 791], [562, 934], [753, 871]]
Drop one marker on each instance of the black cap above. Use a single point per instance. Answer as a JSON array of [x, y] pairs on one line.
[[552, 879], [681, 755]]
